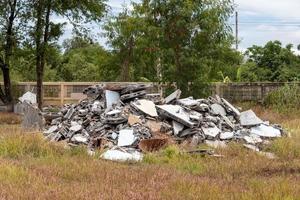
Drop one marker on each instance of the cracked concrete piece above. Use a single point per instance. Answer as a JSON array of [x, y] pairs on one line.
[[76, 128], [177, 127], [211, 131], [252, 139], [218, 109], [176, 113], [96, 106], [188, 102], [266, 131], [52, 129], [130, 96], [113, 112], [174, 96], [145, 106], [118, 155], [154, 126], [112, 98], [126, 138], [134, 119], [226, 135], [114, 136], [78, 138], [231, 107], [249, 118], [29, 97]]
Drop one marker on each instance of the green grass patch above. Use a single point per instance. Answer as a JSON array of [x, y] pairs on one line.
[[27, 145]]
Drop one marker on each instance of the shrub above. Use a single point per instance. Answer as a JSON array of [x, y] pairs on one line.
[[285, 99]]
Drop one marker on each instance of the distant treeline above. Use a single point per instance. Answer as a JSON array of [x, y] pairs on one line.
[[178, 41]]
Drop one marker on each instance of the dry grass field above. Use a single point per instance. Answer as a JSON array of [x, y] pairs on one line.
[[32, 168]]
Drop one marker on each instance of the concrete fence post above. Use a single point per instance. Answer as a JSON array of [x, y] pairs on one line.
[[62, 93]]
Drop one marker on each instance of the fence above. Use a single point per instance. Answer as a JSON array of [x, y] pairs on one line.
[[59, 93], [240, 92]]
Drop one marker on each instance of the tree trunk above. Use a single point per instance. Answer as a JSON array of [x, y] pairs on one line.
[[125, 73], [6, 96], [41, 47], [39, 81], [182, 84]]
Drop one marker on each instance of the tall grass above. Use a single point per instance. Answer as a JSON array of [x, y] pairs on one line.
[[285, 99]]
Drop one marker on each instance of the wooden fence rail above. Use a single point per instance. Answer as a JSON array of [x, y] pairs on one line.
[[59, 93]]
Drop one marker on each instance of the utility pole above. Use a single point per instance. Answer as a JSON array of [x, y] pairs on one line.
[[236, 30]]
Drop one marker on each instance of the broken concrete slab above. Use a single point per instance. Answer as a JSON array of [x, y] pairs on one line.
[[252, 139], [32, 118], [134, 119], [266, 131], [231, 107], [126, 138], [211, 131], [130, 96], [122, 155], [177, 127], [28, 97], [114, 113], [174, 96], [226, 135], [176, 113], [80, 139], [52, 129], [249, 118], [134, 88], [217, 109], [145, 106], [112, 98], [75, 128], [188, 102]]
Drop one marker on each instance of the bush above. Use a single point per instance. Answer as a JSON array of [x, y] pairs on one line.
[[285, 99]]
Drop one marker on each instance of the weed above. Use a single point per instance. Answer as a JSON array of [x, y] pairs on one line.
[[285, 99]]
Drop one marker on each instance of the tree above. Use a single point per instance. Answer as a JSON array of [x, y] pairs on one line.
[[190, 35], [83, 60], [122, 32], [173, 40], [75, 11], [271, 62], [10, 10]]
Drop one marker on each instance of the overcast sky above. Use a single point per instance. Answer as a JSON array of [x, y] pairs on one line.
[[260, 21]]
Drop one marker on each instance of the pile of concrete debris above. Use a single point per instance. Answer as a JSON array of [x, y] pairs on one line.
[[126, 121]]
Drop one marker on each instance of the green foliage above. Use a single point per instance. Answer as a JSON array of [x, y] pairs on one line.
[[286, 99], [271, 62], [161, 41], [84, 64]]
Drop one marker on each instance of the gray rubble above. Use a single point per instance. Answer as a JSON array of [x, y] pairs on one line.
[[127, 121]]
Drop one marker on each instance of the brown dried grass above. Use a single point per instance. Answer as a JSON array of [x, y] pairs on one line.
[[31, 168]]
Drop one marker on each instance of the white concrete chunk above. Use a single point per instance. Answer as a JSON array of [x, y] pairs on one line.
[[266, 131], [126, 138]]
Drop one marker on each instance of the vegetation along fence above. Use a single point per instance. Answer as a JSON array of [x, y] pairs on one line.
[[59, 93]]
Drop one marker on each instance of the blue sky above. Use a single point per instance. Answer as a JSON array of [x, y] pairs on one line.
[[260, 21]]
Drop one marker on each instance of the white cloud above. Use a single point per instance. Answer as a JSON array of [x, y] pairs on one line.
[[286, 9], [270, 20]]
